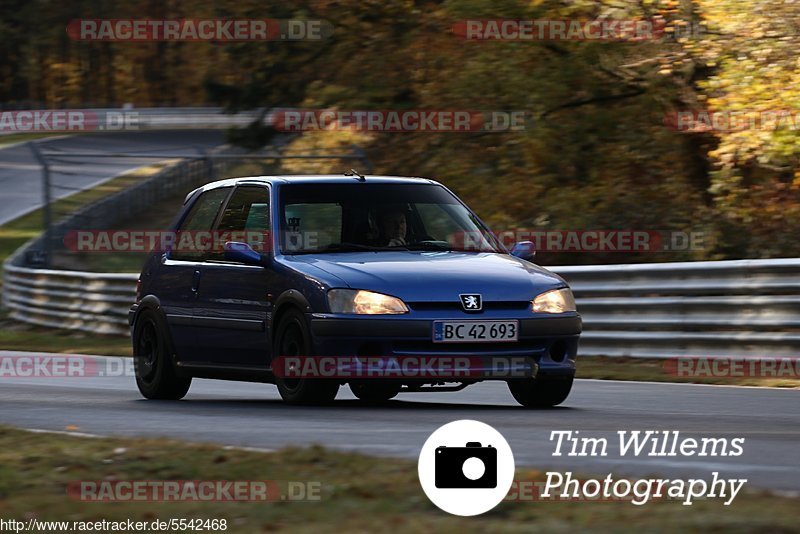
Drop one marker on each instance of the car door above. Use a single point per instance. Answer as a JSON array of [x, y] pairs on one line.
[[230, 314], [179, 271]]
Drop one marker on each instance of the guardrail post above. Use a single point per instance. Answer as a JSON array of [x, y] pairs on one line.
[[46, 198], [209, 162]]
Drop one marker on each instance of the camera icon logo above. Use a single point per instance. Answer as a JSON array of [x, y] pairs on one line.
[[472, 466], [466, 467]]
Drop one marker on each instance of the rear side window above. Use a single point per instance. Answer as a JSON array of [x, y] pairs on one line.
[[200, 218], [245, 219]]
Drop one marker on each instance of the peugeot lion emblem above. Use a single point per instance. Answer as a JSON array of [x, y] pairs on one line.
[[471, 302]]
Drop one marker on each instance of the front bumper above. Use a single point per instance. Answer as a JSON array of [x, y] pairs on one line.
[[546, 345]]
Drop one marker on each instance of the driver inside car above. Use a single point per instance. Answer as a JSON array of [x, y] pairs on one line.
[[393, 228]]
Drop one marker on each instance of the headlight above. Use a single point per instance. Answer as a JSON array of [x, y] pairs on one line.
[[364, 302], [556, 301]]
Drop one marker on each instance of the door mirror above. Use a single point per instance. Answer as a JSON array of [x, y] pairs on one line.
[[524, 250], [243, 253]]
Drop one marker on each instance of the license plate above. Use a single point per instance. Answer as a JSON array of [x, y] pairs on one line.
[[475, 331]]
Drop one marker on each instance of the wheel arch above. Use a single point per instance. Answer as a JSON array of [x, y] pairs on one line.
[[287, 300], [151, 303]]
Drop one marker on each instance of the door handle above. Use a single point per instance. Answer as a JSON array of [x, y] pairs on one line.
[[195, 281]]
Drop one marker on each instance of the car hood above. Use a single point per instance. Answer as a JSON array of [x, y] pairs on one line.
[[435, 276]]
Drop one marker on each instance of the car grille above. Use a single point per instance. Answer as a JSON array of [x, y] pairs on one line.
[[451, 306]]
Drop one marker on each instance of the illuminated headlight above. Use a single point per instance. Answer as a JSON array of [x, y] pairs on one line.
[[556, 301], [364, 302]]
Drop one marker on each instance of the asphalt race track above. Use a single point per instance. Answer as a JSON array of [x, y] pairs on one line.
[[252, 415], [21, 175]]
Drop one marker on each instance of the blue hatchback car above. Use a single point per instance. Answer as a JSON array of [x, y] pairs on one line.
[[384, 284]]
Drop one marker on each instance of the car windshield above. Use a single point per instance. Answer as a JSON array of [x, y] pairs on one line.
[[322, 218]]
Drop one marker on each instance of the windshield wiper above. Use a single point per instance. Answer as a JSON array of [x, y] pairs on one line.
[[337, 247], [430, 245], [346, 246], [442, 246]]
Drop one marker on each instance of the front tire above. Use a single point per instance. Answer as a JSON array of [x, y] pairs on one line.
[[293, 339], [156, 376], [541, 392]]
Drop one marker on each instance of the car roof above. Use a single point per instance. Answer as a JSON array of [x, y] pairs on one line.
[[312, 179]]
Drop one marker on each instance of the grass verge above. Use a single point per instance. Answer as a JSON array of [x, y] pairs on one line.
[[357, 493], [657, 370], [15, 335], [12, 139]]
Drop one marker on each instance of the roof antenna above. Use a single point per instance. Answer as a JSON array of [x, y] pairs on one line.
[[353, 172]]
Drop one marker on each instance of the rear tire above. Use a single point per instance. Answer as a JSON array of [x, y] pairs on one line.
[[156, 376], [541, 392], [293, 339]]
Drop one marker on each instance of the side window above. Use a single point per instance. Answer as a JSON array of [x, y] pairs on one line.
[[200, 218], [246, 219]]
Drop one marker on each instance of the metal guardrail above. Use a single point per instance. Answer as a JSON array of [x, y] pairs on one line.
[[745, 308], [741, 308], [186, 118], [74, 300]]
